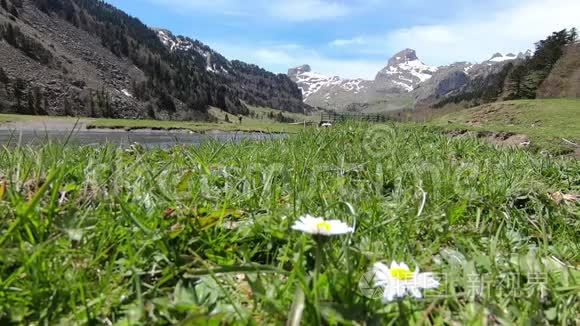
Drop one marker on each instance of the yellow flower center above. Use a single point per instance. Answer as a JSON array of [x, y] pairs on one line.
[[401, 274], [323, 226]]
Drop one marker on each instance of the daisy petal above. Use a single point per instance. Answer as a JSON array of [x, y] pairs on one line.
[[416, 293], [389, 295], [427, 281], [400, 290], [380, 274]]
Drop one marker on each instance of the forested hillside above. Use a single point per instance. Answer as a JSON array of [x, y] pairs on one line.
[[85, 57], [564, 79], [523, 78]]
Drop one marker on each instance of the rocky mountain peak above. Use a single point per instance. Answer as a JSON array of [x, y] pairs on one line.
[[404, 72], [525, 55], [498, 57], [403, 56], [294, 72]]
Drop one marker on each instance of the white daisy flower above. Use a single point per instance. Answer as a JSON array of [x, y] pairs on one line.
[[320, 226], [398, 281]]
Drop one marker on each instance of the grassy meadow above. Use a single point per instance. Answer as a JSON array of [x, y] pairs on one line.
[[260, 122], [202, 235]]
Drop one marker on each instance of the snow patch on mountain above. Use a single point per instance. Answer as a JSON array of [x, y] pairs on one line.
[[468, 68], [311, 82], [172, 42], [406, 86], [126, 93], [415, 67], [180, 43]]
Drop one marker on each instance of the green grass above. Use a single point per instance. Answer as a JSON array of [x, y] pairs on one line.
[[261, 114], [262, 124], [546, 122], [202, 235]]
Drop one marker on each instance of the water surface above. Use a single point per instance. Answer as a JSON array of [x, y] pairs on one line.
[[149, 139]]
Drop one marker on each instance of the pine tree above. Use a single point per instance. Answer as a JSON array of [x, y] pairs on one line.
[[573, 36], [31, 109], [108, 110], [83, 18], [165, 102], [9, 35], [38, 101], [45, 106], [18, 93], [4, 79], [91, 104], [67, 108], [151, 112], [515, 81], [14, 11]]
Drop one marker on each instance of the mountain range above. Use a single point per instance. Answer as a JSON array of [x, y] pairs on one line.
[[403, 83]]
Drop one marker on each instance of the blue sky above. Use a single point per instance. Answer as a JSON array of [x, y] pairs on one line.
[[355, 38]]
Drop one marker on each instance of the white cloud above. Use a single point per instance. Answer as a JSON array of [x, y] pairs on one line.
[[348, 42], [474, 37], [279, 57]]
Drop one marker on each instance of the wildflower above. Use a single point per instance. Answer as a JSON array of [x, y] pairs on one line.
[[398, 280], [320, 226]]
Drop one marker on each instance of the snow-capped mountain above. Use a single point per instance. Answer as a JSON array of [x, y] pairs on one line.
[[312, 83], [405, 71], [327, 92]]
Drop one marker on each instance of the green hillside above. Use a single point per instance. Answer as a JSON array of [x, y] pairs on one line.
[[549, 123]]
